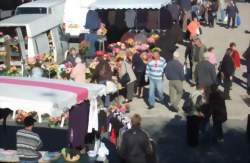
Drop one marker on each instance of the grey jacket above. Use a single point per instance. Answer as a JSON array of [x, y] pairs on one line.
[[205, 73], [174, 70]]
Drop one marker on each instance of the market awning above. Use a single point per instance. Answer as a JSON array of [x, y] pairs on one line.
[[129, 4], [45, 95], [35, 23]]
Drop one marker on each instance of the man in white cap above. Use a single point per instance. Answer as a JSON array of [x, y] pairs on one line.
[[175, 74]]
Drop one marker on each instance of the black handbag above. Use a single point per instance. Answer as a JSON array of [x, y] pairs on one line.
[[125, 78]]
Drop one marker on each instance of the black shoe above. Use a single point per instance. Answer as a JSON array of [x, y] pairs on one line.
[[150, 107], [173, 109]]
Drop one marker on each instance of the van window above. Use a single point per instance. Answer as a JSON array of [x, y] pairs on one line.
[[31, 10]]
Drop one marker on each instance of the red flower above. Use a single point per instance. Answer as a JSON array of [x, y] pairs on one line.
[[99, 53]]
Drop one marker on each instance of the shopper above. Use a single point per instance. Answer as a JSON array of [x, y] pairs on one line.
[[139, 68], [28, 142], [236, 55], [205, 74], [135, 145], [175, 74], [79, 71], [231, 11], [218, 111], [102, 74], [227, 70], [154, 73], [198, 54], [125, 67]]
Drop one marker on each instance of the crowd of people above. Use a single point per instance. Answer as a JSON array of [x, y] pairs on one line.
[[134, 70]]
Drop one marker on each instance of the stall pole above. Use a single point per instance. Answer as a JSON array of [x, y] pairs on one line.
[[22, 48]]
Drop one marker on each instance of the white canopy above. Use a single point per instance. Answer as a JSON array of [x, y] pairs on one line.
[[129, 4], [35, 23], [49, 96]]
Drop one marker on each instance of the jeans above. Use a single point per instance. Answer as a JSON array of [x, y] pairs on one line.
[[106, 98], [28, 161], [155, 85]]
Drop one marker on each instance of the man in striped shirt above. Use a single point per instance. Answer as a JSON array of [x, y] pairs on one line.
[[28, 142], [154, 73]]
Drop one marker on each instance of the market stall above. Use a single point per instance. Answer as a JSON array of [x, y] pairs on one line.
[[53, 97]]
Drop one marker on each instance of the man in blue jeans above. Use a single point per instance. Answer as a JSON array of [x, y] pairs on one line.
[[154, 73]]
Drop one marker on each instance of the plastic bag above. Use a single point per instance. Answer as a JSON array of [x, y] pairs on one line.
[[238, 20], [225, 19]]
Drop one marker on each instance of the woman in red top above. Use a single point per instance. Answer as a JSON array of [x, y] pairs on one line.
[[236, 55]]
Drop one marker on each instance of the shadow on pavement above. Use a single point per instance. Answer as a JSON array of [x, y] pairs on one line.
[[172, 146]]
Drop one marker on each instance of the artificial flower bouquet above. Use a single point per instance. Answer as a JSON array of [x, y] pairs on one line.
[[64, 70], [102, 31]]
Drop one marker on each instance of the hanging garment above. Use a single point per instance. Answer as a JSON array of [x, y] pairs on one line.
[[92, 20], [165, 18], [142, 17], [153, 19], [78, 124], [130, 16], [111, 17], [119, 20]]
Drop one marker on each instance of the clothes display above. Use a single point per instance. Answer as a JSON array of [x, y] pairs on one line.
[[165, 18], [130, 16], [92, 20], [153, 19], [118, 124], [141, 19], [78, 124], [111, 17]]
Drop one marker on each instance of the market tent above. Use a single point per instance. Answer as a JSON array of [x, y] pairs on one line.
[[35, 23], [129, 4], [49, 96]]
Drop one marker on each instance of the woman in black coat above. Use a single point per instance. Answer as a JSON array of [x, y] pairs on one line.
[[227, 69], [218, 111]]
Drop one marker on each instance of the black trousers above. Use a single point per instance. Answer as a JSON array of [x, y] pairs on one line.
[[227, 86], [210, 19], [193, 125], [229, 21], [218, 131]]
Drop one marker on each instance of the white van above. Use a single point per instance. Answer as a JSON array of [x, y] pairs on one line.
[[75, 13], [54, 7], [37, 32]]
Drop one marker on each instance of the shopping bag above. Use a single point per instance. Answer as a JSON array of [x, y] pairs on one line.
[[238, 21], [225, 19]]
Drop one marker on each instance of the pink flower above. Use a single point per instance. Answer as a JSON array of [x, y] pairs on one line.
[[144, 47], [151, 40], [116, 50]]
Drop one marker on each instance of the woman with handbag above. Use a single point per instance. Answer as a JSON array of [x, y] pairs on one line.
[[126, 76]]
